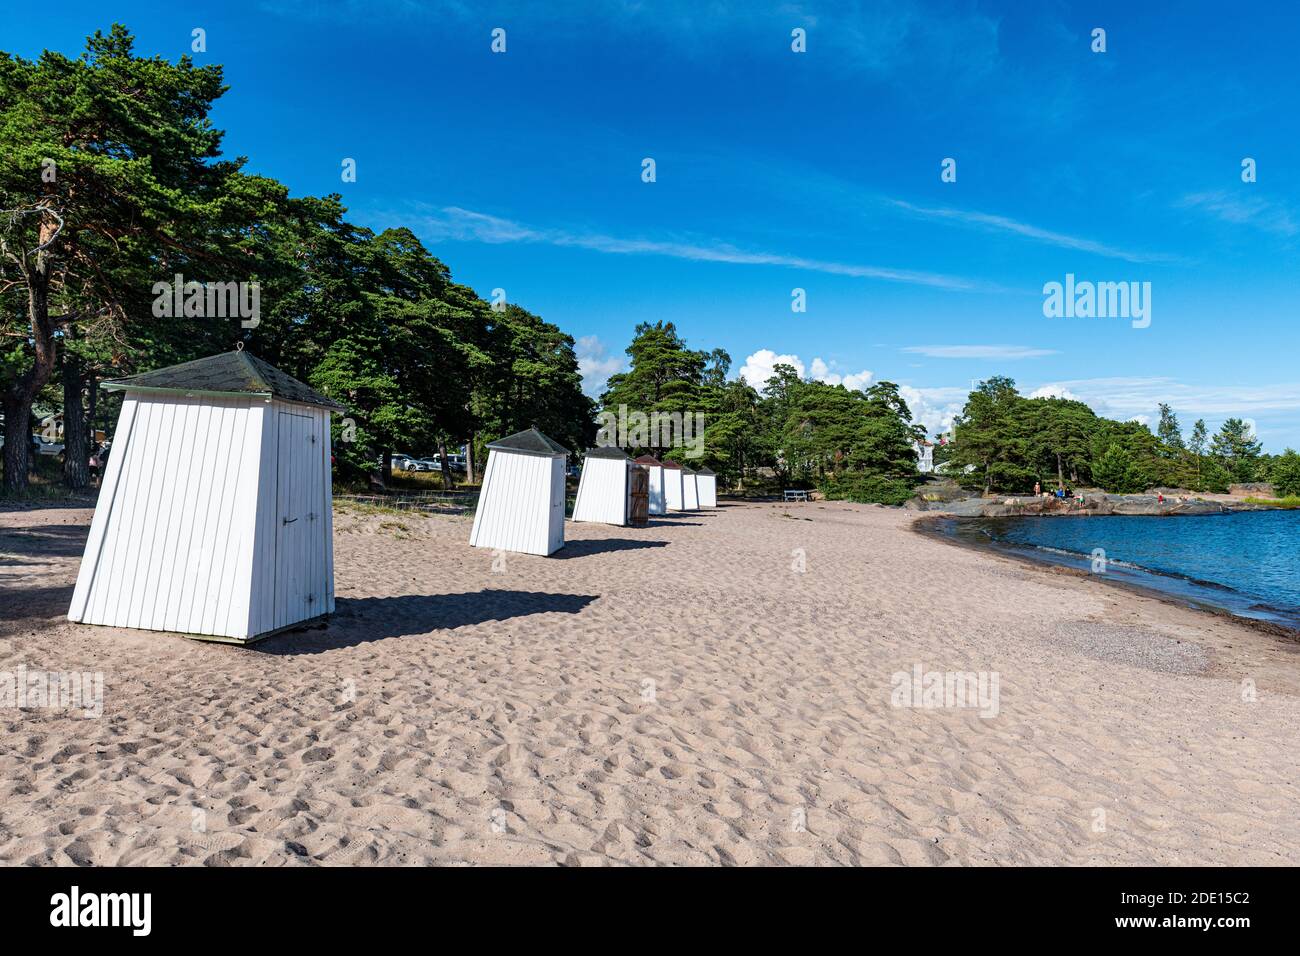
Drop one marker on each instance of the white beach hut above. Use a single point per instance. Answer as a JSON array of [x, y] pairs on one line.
[[214, 517], [690, 491], [672, 486], [604, 487], [521, 505], [706, 486], [658, 505]]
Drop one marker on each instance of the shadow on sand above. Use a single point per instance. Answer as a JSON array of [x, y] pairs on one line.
[[17, 545], [590, 546], [361, 620], [25, 608]]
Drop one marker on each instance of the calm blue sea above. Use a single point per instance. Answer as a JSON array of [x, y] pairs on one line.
[[1246, 562]]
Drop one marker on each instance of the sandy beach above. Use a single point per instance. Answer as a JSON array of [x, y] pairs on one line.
[[717, 688]]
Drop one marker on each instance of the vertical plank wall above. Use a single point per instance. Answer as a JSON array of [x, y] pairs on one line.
[[690, 492], [171, 541], [707, 486], [515, 510], [657, 504], [602, 492], [293, 575], [673, 489]]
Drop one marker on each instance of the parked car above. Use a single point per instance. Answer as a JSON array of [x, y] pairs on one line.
[[40, 446]]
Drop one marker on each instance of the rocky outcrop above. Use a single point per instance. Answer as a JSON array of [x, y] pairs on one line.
[[1253, 489], [1093, 503]]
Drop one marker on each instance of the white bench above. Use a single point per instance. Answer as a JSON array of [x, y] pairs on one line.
[[795, 494]]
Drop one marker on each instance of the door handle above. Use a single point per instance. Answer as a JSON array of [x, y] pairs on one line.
[[289, 520]]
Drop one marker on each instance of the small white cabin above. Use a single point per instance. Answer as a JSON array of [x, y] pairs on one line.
[[658, 505], [604, 488], [673, 492], [690, 491], [706, 485], [521, 504], [215, 517]]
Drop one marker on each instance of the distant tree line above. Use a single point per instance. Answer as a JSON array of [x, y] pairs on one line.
[[848, 443], [111, 180], [1006, 442]]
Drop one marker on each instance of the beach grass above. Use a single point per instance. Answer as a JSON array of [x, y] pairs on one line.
[[1290, 502]]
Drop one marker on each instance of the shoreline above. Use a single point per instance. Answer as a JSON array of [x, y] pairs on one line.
[[928, 525], [1094, 505]]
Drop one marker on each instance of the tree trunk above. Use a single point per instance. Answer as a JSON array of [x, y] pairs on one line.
[[386, 467], [76, 444], [469, 459], [18, 443], [1060, 472], [19, 396], [446, 465]]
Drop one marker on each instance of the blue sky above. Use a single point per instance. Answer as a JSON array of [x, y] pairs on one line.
[[820, 170]]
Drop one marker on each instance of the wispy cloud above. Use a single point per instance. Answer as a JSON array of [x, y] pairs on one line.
[[1136, 395], [1245, 211], [454, 223], [1009, 352], [1004, 224], [1138, 399], [948, 38]]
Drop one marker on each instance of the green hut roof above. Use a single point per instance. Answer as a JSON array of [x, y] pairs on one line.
[[228, 373], [529, 442], [607, 451]]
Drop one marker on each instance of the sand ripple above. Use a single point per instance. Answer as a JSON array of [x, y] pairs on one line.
[[677, 694]]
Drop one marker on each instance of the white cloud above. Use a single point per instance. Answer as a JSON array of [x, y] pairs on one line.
[[823, 372], [1053, 391], [932, 407], [1276, 406], [759, 367], [454, 223], [595, 364], [1008, 352], [935, 408]]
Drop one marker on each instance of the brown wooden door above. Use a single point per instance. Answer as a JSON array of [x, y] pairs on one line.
[[638, 511]]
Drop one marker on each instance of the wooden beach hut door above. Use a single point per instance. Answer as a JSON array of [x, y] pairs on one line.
[[298, 480], [638, 495]]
